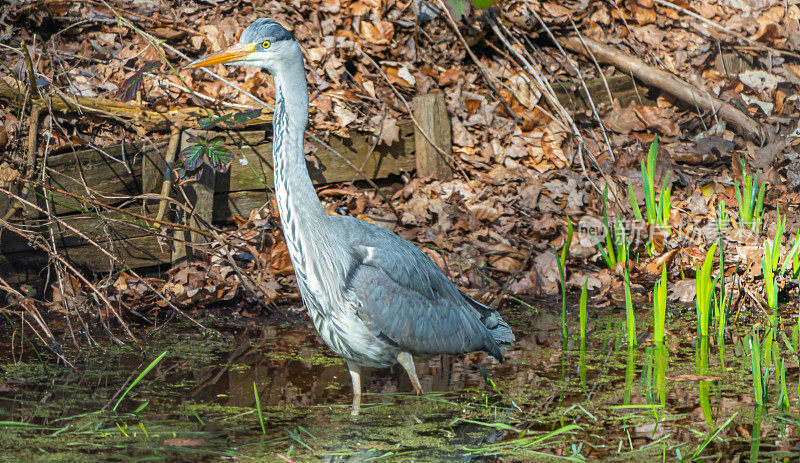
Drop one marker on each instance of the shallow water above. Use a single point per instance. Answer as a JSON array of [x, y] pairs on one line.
[[603, 400]]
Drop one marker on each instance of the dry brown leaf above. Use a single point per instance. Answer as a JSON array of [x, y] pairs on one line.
[[388, 129], [506, 264], [359, 9], [7, 174], [380, 33], [623, 120], [435, 257], [342, 94], [450, 76], [485, 212], [555, 10], [330, 6], [279, 259], [472, 105], [400, 76], [344, 117], [4, 138], [642, 11], [315, 54], [654, 267], [655, 118]]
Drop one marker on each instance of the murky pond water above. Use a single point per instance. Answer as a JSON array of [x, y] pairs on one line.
[[599, 401]]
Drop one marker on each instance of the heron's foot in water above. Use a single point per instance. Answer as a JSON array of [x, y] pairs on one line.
[[355, 375], [407, 362]]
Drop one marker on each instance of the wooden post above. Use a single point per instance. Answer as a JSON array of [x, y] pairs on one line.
[[430, 112], [200, 195]]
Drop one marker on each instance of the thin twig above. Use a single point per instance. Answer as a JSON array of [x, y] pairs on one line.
[[78, 274], [31, 73], [475, 60], [104, 251], [134, 214], [580, 77]]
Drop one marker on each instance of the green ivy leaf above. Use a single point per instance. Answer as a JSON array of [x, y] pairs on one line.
[[243, 116], [191, 157], [218, 156]]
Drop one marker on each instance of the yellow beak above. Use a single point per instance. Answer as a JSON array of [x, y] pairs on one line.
[[232, 53]]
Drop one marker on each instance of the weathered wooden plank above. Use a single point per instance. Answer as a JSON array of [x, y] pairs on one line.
[[140, 115], [111, 226], [153, 170], [243, 188], [105, 176], [430, 111], [110, 178], [227, 205], [142, 251], [256, 171]]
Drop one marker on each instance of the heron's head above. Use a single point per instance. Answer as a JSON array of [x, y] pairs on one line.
[[265, 43]]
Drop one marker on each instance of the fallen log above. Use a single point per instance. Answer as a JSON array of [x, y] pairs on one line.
[[742, 123], [140, 116]]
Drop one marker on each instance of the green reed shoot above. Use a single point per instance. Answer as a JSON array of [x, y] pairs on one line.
[[769, 264], [631, 321], [793, 258], [657, 212], [783, 398], [750, 199], [720, 298], [660, 307], [713, 435], [755, 364], [582, 308], [138, 379], [705, 287], [702, 362], [562, 261], [616, 243], [258, 408]]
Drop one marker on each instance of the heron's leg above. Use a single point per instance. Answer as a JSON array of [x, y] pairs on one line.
[[407, 363], [355, 375]]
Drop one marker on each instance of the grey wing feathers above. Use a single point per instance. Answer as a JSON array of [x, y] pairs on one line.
[[498, 327], [405, 299]]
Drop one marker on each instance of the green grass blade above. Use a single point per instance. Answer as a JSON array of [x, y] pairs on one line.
[[637, 213], [660, 307], [704, 286], [629, 315], [139, 378], [712, 436], [258, 407], [755, 365], [582, 308], [17, 424], [562, 275]]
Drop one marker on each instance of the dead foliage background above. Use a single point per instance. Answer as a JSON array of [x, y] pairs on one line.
[[544, 113]]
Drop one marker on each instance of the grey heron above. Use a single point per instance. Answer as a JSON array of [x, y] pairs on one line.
[[375, 298]]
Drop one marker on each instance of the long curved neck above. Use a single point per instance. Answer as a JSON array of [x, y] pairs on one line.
[[299, 207]]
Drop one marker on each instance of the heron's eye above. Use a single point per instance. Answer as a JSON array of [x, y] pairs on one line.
[[265, 44]]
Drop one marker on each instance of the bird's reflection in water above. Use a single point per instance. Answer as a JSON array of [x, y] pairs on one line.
[[294, 370], [299, 370]]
